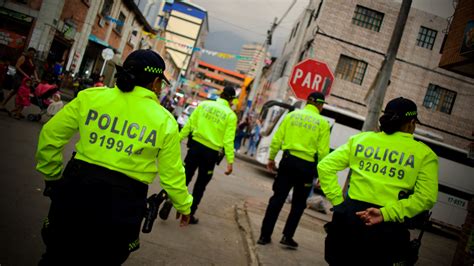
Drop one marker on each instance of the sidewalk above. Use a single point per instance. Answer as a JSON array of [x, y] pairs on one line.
[[436, 249], [310, 236]]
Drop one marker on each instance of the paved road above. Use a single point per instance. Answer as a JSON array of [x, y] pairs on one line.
[[230, 216]]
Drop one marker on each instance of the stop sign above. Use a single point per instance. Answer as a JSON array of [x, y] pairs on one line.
[[309, 76]]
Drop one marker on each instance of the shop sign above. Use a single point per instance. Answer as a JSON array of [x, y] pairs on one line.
[[12, 39], [69, 29], [16, 15]]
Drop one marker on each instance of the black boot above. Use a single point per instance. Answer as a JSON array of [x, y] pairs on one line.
[[289, 242], [264, 240], [193, 220]]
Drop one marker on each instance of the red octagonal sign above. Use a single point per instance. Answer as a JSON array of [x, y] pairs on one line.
[[309, 76]]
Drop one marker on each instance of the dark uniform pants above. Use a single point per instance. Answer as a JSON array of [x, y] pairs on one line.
[[293, 173], [350, 242], [94, 217], [203, 159]]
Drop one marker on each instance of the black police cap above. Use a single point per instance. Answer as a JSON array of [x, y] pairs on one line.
[[402, 108], [229, 92], [316, 97], [148, 61]]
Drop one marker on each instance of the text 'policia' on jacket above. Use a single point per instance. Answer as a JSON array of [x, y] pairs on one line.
[[215, 119], [130, 145], [303, 133], [382, 166]]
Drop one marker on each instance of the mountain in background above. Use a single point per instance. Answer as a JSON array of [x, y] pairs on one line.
[[225, 42]]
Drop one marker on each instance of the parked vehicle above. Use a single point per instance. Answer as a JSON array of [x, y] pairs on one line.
[[183, 118], [456, 182]]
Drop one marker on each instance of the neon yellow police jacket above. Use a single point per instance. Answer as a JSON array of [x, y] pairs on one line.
[[126, 132], [213, 124], [383, 165], [303, 133]]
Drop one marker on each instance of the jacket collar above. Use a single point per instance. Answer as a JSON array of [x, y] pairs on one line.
[[142, 92], [223, 102], [403, 134], [311, 108]]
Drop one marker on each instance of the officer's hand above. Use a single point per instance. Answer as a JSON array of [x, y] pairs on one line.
[[371, 216], [229, 169], [271, 165], [184, 219]]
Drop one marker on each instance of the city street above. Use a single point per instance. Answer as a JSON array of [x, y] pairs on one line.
[[230, 217]]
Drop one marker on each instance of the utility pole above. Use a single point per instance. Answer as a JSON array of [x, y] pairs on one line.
[[261, 62], [383, 77]]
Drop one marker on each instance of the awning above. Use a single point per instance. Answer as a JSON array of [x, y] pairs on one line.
[[95, 39]]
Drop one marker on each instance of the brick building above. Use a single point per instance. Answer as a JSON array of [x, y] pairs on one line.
[[458, 51], [352, 38], [75, 32]]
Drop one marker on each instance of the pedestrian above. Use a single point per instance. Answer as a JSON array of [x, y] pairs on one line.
[[100, 81], [4, 64], [58, 68], [55, 106], [367, 226], [212, 128], [25, 68], [126, 138], [254, 138], [304, 138], [22, 98], [241, 133]]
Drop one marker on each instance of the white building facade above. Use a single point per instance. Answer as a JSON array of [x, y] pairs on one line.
[[249, 66]]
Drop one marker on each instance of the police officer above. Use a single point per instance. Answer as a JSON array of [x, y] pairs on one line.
[[126, 138], [212, 128], [304, 137], [367, 225]]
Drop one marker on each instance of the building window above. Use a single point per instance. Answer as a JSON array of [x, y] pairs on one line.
[[107, 7], [367, 18], [119, 25], [439, 99], [426, 38], [351, 69]]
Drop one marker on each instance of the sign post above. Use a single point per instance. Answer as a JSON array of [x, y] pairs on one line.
[[309, 76], [107, 54]]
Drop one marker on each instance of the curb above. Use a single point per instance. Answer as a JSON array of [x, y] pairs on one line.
[[242, 219]]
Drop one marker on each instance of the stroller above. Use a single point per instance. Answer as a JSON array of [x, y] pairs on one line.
[[40, 98]]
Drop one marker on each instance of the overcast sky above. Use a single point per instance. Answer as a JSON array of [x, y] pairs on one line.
[[250, 20]]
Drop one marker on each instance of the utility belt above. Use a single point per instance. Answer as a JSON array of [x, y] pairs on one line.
[[87, 173], [287, 155]]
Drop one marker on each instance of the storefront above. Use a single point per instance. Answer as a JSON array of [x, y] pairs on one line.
[[62, 42], [15, 31]]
